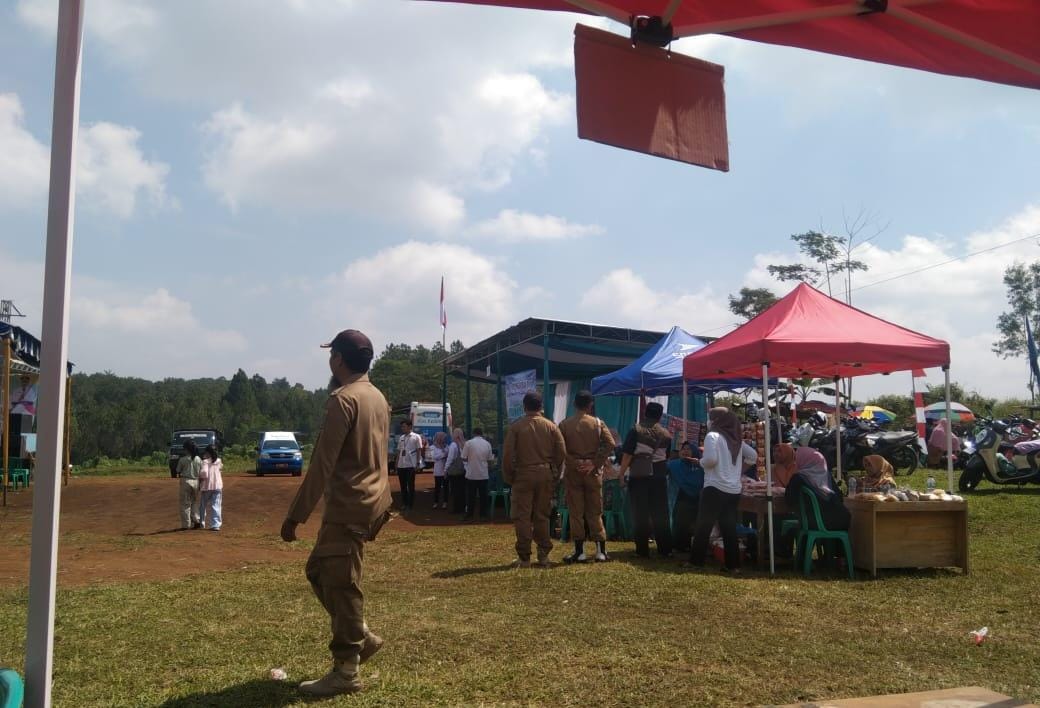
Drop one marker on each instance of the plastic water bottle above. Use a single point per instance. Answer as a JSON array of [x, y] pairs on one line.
[[929, 484], [853, 483]]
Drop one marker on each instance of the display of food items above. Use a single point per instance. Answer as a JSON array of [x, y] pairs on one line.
[[898, 495]]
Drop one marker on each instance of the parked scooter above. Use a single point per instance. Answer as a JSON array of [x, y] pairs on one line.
[[999, 461]]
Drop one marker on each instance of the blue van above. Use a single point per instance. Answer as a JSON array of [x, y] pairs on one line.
[[278, 453]]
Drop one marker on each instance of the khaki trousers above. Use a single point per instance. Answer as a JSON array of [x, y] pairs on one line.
[[585, 502], [334, 572], [531, 501], [189, 502]]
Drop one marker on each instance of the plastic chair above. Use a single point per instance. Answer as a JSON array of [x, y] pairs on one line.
[[614, 513], [17, 474], [807, 538], [11, 689], [564, 512], [497, 490]]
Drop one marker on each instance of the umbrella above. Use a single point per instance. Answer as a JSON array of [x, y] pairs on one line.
[[958, 412], [877, 414]]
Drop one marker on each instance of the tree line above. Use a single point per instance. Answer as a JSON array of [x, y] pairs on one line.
[[120, 417]]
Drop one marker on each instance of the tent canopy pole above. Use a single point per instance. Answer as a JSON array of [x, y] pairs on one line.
[[769, 468]]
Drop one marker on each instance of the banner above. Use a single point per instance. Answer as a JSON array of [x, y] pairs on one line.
[[674, 424], [23, 400], [516, 386]]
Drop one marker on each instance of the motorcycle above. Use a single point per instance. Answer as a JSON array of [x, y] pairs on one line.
[[860, 438], [999, 461]]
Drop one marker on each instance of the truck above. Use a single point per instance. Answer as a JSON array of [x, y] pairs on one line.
[[200, 436]]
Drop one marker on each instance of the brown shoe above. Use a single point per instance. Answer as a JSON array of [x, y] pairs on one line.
[[373, 643], [521, 563], [342, 678], [543, 561]]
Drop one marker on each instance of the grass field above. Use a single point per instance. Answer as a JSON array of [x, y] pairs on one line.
[[463, 629]]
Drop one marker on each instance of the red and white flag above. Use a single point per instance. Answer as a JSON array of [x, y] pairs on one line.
[[444, 313], [918, 386]]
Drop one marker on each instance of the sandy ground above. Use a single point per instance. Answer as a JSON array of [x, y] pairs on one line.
[[117, 529]]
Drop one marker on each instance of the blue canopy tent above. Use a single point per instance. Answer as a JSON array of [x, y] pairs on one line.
[[658, 372]]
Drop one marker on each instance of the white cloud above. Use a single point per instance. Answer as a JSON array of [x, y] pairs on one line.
[[111, 170], [626, 298], [480, 297], [23, 160], [516, 226]]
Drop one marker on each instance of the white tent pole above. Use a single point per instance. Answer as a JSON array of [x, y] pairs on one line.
[[685, 410], [949, 435], [39, 649], [837, 430], [769, 470]]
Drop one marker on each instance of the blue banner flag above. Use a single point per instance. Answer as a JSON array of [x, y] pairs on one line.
[[1034, 365]]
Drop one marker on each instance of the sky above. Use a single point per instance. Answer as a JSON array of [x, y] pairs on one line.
[[253, 178]]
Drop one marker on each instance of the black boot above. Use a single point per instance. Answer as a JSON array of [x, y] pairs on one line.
[[579, 553]]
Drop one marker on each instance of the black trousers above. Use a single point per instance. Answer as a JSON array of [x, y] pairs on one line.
[[684, 520], [717, 507], [476, 497], [406, 478], [648, 497], [457, 492], [440, 489]]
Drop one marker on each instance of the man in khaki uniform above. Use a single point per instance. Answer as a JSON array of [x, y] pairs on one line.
[[531, 457], [588, 442], [349, 470]]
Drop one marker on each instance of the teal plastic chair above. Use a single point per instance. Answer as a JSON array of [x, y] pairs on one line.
[[11, 689], [564, 512], [614, 517], [497, 490], [807, 538], [17, 473]]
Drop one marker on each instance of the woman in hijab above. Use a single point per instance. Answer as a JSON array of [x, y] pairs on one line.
[[937, 442], [784, 465], [454, 471], [439, 452], [724, 457], [814, 475]]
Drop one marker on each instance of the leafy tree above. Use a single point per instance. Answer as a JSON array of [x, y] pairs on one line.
[[1023, 296], [828, 255], [752, 302]]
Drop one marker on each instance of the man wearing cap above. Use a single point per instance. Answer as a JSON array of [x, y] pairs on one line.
[[588, 443], [531, 458], [349, 470]]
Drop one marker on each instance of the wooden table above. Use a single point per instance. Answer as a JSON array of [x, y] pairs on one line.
[[757, 505], [921, 534]]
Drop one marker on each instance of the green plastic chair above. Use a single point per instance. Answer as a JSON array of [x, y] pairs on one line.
[[497, 490], [564, 512], [614, 516], [11, 689], [16, 473], [807, 538]]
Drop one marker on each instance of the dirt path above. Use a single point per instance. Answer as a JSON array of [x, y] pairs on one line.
[[126, 528]]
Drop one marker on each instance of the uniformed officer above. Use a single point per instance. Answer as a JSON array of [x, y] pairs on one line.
[[349, 469], [531, 458], [588, 442]]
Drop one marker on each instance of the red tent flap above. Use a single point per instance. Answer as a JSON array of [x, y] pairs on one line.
[[807, 333], [649, 100]]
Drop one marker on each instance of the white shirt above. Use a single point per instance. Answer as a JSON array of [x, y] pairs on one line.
[[409, 450], [477, 453], [440, 456], [720, 471]]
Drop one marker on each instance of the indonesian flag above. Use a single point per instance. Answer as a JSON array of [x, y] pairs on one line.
[[918, 386], [444, 313]]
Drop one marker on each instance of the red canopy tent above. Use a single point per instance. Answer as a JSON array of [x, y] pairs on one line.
[[992, 40], [808, 334]]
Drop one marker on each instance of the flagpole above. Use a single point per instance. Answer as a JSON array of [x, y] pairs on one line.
[[444, 373]]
